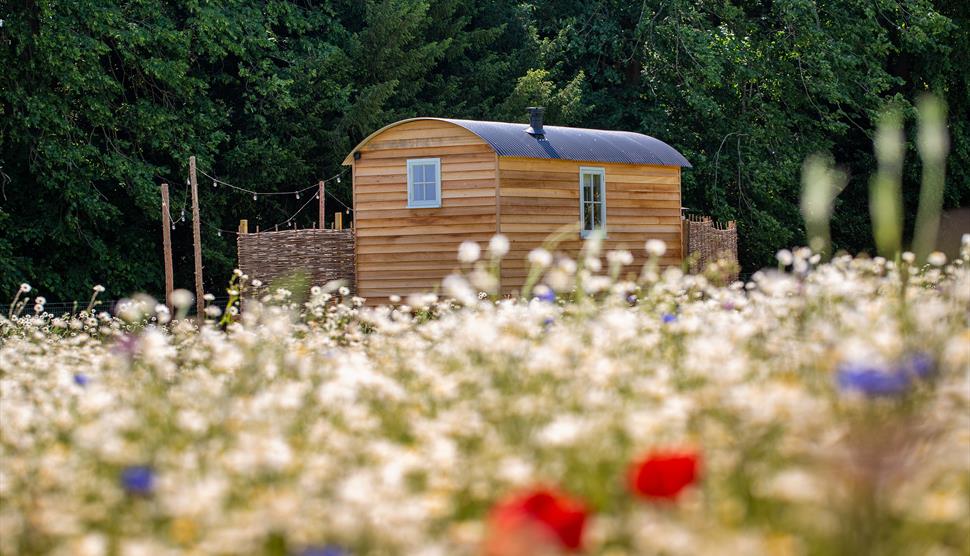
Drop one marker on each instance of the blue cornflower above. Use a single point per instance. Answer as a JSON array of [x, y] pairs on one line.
[[631, 299], [547, 295], [872, 381], [668, 318], [327, 550], [80, 379], [138, 479], [547, 322], [918, 364]]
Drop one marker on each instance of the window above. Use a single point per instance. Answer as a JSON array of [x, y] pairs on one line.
[[592, 200], [424, 183]]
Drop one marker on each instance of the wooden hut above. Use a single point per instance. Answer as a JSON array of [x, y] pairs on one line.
[[421, 186]]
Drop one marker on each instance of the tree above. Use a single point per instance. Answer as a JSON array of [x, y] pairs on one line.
[[748, 90], [106, 99]]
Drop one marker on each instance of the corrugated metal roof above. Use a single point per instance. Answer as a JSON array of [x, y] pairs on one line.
[[565, 143], [574, 143]]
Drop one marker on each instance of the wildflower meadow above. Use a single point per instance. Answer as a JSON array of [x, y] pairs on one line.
[[485, 278], [817, 408]]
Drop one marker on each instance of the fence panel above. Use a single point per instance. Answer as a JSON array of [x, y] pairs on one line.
[[707, 242], [323, 255]]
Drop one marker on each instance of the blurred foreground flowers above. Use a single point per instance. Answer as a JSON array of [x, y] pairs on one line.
[[817, 409]]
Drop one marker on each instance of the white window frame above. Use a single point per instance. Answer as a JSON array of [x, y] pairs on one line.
[[412, 203], [601, 172]]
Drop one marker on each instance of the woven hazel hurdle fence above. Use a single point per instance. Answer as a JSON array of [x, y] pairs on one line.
[[706, 242], [322, 255]]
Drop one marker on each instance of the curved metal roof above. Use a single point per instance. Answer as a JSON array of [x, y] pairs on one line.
[[565, 143]]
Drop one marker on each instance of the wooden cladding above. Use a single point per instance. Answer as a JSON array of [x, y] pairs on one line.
[[539, 195], [403, 250]]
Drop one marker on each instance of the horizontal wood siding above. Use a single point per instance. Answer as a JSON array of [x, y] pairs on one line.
[[538, 196], [400, 250]]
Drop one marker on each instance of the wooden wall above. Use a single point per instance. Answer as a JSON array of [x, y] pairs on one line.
[[401, 250], [538, 195]]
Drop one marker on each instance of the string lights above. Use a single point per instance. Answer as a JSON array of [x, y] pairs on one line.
[[256, 194], [289, 222]]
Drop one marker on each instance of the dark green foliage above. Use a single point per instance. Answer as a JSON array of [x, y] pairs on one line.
[[746, 90], [101, 100]]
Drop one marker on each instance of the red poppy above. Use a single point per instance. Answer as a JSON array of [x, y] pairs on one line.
[[540, 515], [664, 474]]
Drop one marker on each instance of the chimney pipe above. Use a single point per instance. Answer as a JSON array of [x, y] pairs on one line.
[[535, 122]]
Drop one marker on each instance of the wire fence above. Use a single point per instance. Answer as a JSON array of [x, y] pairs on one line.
[[73, 307]]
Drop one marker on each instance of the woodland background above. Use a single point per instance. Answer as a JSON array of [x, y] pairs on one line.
[[102, 100]]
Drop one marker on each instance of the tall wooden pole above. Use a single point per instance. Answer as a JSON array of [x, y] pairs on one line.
[[321, 193], [196, 242], [167, 248]]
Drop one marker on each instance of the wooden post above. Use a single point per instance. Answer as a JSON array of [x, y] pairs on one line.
[[167, 248], [685, 238], [196, 242], [320, 193], [244, 226], [338, 220]]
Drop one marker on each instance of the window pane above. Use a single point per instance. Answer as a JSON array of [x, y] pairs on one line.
[[588, 223], [417, 192], [429, 191]]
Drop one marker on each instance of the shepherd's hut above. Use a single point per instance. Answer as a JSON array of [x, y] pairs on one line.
[[422, 186]]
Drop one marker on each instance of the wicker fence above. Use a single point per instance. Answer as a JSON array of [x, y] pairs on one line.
[[321, 255], [706, 242]]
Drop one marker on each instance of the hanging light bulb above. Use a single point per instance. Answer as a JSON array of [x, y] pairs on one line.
[[214, 184], [297, 194], [173, 226], [317, 196], [183, 214], [338, 179], [254, 196], [219, 233]]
